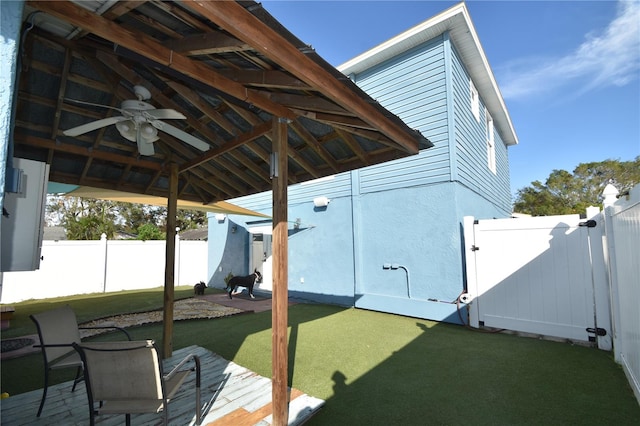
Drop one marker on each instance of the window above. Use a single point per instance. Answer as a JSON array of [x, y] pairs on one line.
[[475, 101], [491, 147]]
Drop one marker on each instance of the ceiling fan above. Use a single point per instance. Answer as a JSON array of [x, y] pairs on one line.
[[140, 122]]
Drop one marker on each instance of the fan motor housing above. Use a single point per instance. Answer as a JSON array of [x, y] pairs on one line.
[[136, 105]]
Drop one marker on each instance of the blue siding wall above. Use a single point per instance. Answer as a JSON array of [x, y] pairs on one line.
[[412, 86], [331, 187], [470, 145]]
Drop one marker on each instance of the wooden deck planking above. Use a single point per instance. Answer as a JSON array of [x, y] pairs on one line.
[[230, 394]]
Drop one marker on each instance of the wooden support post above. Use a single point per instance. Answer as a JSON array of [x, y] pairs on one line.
[[169, 268], [280, 303]]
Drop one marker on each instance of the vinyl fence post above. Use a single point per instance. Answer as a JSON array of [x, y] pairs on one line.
[[176, 278], [103, 243]]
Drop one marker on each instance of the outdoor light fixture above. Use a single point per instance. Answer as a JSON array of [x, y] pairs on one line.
[[220, 217], [321, 202]]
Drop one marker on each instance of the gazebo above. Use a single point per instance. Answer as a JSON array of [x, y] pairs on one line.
[[269, 111]]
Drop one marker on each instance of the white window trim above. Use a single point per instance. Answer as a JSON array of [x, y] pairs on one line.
[[475, 101], [491, 146]]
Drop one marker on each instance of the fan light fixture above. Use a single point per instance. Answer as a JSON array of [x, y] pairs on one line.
[[148, 132], [128, 130]]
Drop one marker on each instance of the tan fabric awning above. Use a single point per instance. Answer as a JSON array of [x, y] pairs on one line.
[[128, 197]]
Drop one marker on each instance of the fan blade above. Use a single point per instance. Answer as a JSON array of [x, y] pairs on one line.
[[98, 105], [183, 136], [85, 128], [164, 114], [144, 147]]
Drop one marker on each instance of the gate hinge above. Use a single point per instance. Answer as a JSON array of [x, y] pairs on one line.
[[589, 223], [475, 248], [597, 331]]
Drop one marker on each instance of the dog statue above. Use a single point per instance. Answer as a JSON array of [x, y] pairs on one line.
[[249, 281], [198, 289]]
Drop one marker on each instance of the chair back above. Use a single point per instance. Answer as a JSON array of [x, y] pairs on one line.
[[57, 327], [125, 370]]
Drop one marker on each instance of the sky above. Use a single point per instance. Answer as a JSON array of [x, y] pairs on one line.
[[569, 71]]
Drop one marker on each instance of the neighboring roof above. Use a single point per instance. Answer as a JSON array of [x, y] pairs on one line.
[[457, 21], [129, 197], [199, 234], [228, 66], [54, 233]]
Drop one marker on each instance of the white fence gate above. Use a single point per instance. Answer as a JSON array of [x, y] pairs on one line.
[[540, 275]]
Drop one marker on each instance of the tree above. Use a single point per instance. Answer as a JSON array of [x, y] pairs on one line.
[[149, 231], [190, 219], [135, 215], [88, 219], [566, 193]]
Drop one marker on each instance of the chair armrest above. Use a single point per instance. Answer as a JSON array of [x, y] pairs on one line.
[[188, 358], [112, 327], [196, 358]]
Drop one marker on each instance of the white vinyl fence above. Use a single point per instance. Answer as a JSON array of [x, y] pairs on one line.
[[622, 224], [81, 267]]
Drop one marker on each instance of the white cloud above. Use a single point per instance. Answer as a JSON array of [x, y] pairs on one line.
[[609, 58]]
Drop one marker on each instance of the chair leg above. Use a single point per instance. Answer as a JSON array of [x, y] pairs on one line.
[[44, 391], [92, 416], [79, 377]]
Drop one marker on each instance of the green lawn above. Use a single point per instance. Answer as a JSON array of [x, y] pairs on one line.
[[380, 369]]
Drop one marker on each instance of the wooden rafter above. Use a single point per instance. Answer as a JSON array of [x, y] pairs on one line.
[[255, 133], [206, 44], [144, 45], [236, 20]]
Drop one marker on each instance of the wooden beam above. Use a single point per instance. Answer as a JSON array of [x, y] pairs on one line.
[[206, 44], [169, 267], [34, 141], [311, 140], [122, 7], [265, 78], [279, 311], [331, 119], [146, 46], [205, 107], [242, 139], [308, 103], [238, 21], [353, 145]]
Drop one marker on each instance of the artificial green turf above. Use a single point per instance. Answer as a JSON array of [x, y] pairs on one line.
[[380, 369], [90, 306]]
